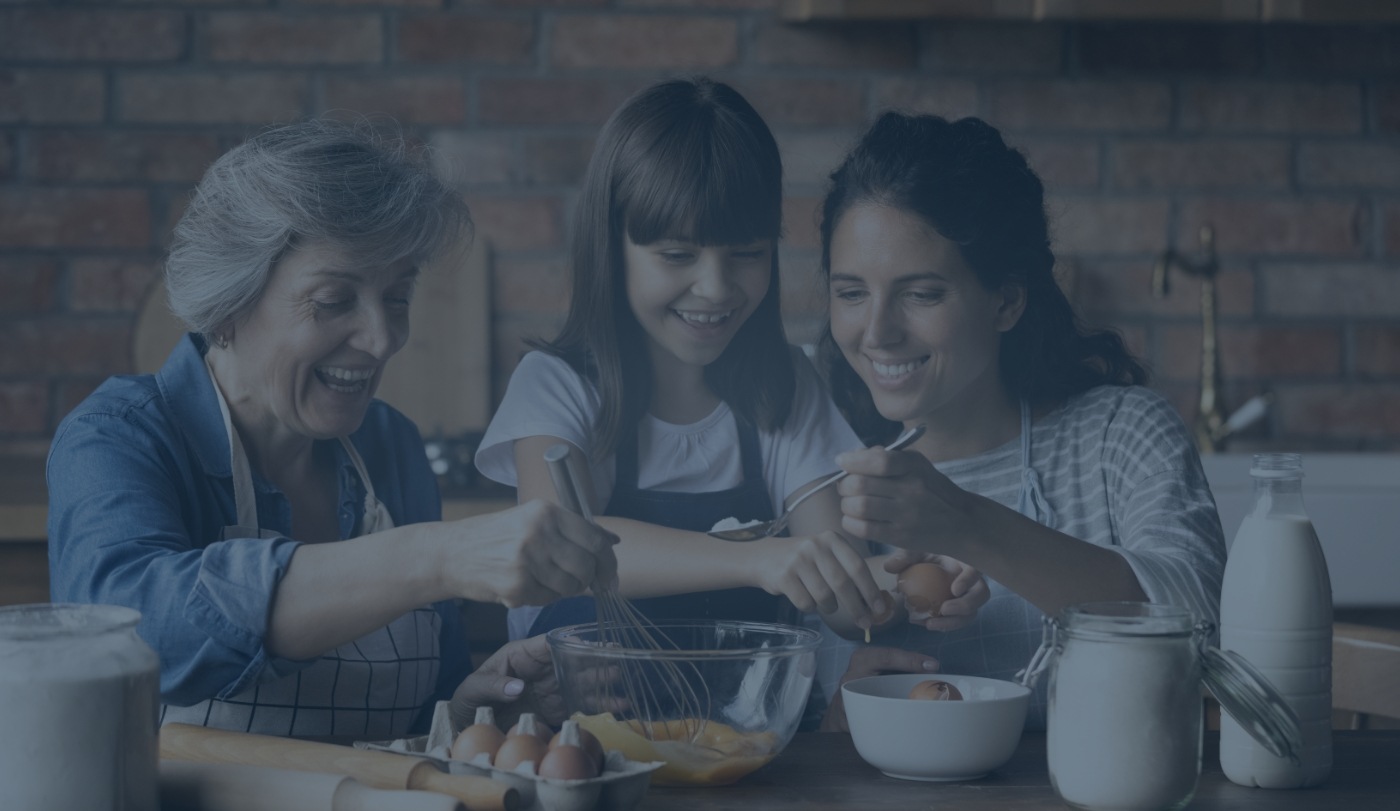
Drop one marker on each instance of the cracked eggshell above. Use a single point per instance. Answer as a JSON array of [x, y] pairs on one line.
[[935, 690], [925, 587]]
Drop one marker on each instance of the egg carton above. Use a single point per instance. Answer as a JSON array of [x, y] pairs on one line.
[[620, 787]]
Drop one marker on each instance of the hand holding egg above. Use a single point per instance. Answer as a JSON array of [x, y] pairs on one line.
[[940, 593], [925, 587]]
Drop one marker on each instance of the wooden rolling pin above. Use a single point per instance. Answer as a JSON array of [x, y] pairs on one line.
[[384, 770], [186, 786]]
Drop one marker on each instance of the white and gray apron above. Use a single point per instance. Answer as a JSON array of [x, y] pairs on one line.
[[373, 687]]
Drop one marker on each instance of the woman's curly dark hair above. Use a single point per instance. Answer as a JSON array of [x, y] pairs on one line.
[[963, 180]]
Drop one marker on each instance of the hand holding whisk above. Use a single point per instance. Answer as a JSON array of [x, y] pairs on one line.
[[655, 690]]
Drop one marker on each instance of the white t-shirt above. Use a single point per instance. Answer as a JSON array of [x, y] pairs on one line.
[[546, 397]]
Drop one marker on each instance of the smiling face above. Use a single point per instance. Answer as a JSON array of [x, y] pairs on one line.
[[911, 317], [691, 299], [308, 357]]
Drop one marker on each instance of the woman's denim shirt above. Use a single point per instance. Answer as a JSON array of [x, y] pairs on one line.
[[140, 489]]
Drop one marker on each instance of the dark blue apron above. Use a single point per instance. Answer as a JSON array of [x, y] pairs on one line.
[[695, 512]]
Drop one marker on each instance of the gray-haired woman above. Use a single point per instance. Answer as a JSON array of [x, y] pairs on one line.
[[277, 527]]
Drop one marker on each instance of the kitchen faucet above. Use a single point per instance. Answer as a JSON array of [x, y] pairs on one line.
[[1211, 428]]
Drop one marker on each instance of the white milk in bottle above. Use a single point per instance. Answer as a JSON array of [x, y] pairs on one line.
[[1276, 611]]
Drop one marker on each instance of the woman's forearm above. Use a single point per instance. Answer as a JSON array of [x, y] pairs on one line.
[[333, 593], [1048, 568]]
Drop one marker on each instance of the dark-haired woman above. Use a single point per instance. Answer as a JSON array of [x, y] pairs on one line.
[[1046, 464]]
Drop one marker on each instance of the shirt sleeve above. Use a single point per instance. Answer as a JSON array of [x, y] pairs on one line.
[[545, 397], [815, 434], [1162, 506], [120, 532]]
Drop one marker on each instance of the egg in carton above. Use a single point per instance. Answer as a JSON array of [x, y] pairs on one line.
[[619, 784]]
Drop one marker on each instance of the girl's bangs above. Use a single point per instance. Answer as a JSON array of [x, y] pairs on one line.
[[692, 189]]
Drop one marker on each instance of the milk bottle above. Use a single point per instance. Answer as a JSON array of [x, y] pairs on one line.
[[1276, 611]]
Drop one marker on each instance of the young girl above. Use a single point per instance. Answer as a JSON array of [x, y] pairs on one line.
[[673, 379]]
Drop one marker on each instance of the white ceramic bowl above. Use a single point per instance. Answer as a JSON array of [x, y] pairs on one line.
[[935, 740]]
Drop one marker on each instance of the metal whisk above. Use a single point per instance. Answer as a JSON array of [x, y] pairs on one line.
[[660, 694]]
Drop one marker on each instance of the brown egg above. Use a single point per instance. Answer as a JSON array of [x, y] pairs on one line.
[[518, 749], [932, 690], [530, 724], [568, 763], [925, 587], [482, 735], [585, 740], [476, 739]]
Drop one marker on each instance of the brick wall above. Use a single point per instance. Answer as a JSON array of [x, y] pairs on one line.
[[1285, 138]]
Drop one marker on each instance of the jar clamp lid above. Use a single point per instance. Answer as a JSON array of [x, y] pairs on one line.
[[1243, 692], [1251, 700]]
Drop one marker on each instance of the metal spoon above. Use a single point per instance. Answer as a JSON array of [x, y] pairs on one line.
[[767, 529]]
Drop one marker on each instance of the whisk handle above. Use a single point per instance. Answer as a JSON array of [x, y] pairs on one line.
[[562, 466]]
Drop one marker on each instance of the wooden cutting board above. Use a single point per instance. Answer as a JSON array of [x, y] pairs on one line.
[[441, 378]]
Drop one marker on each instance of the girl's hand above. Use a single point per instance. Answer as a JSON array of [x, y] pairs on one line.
[[532, 554], [970, 591], [518, 678], [898, 498], [871, 661], [824, 573]]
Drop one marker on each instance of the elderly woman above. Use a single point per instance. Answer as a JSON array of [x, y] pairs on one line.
[[1046, 465], [276, 526]]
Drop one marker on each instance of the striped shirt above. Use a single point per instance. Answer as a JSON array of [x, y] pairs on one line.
[[1118, 469]]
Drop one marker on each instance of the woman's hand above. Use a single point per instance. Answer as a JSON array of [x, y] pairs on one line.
[[518, 678], [532, 554], [970, 591], [898, 498], [872, 661], [824, 573]]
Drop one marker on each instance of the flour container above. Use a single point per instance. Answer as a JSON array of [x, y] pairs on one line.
[[1125, 704], [1276, 611], [79, 710]]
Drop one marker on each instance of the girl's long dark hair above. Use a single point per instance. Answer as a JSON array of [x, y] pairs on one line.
[[963, 180], [687, 159]]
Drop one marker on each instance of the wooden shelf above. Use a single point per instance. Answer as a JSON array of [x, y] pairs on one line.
[[1261, 11]]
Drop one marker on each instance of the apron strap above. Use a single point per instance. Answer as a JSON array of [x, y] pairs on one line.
[[376, 516], [1031, 502], [244, 499]]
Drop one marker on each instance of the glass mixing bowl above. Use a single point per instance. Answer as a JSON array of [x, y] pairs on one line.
[[714, 700]]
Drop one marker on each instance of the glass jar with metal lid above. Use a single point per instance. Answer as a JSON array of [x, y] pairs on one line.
[[79, 695], [1124, 720]]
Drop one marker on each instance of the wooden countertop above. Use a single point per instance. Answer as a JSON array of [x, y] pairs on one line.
[[822, 772]]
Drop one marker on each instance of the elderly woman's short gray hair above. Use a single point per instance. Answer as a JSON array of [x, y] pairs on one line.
[[323, 180]]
